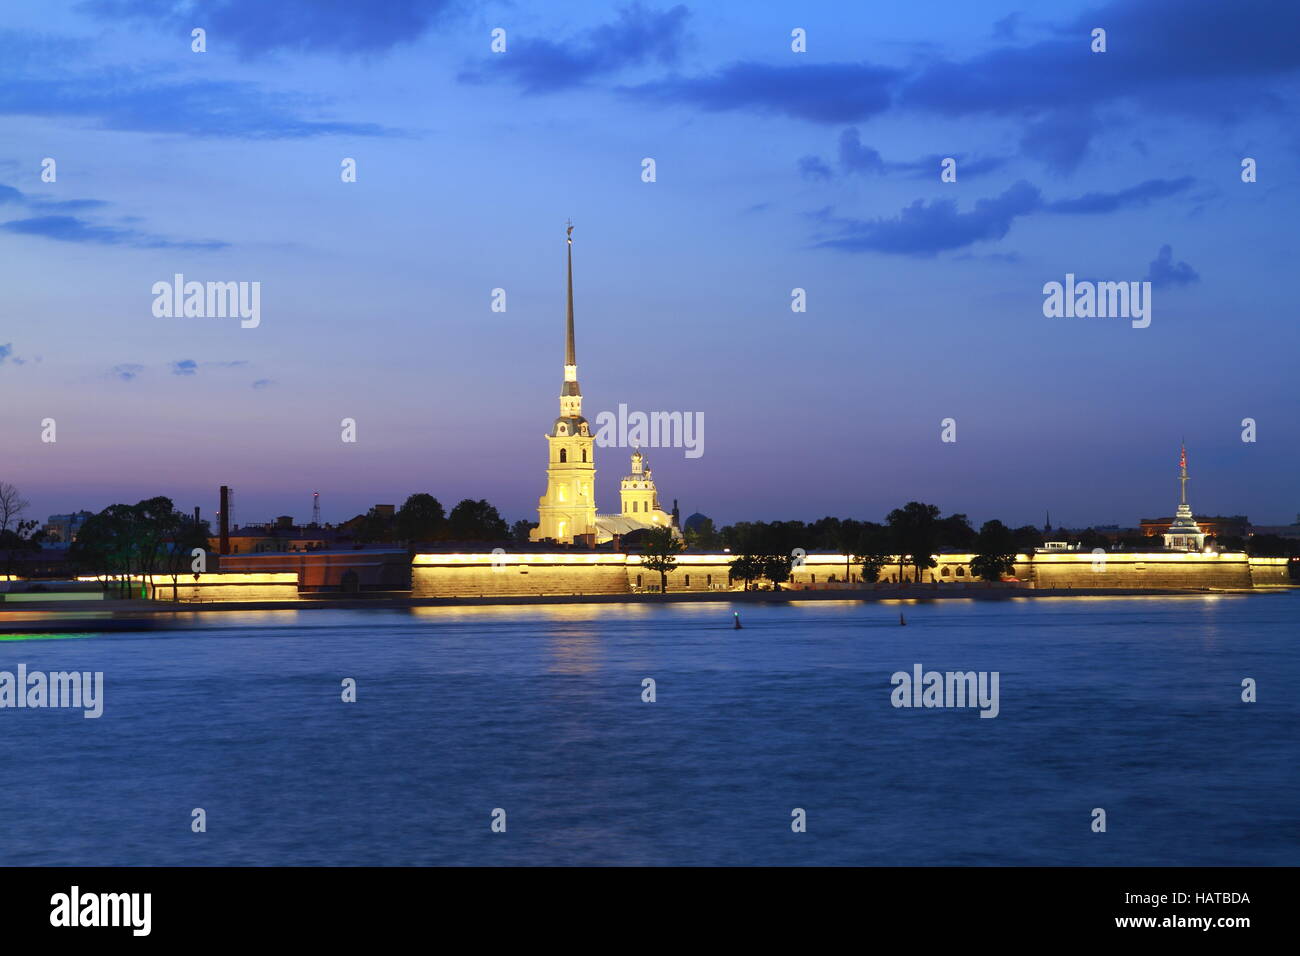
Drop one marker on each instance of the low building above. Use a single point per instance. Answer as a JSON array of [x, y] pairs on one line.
[[61, 530]]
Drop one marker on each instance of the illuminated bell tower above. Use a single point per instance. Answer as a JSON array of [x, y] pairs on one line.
[[637, 490], [568, 509]]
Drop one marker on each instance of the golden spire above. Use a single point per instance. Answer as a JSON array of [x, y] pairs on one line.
[[570, 353]]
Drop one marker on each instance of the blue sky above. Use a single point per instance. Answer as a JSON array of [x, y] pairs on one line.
[[775, 170]]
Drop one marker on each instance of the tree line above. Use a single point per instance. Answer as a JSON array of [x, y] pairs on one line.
[[423, 518]]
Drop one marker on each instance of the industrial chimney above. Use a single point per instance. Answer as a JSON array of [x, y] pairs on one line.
[[225, 519]]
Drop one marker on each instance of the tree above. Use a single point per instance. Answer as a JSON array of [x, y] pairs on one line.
[[178, 556], [955, 531], [872, 550], [476, 521], [915, 528], [777, 568], [520, 530], [746, 568], [1267, 546], [126, 539], [842, 535], [659, 553], [1027, 538], [372, 526], [154, 520], [12, 507], [995, 552], [23, 536], [421, 518]]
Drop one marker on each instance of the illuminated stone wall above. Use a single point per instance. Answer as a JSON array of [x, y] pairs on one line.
[[472, 575], [436, 576], [1269, 572]]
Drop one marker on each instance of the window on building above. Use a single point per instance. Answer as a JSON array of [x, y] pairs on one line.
[[688, 580], [708, 580], [638, 580], [564, 455], [584, 454]]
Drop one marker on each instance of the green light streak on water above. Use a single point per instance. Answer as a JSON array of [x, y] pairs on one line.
[[44, 637]]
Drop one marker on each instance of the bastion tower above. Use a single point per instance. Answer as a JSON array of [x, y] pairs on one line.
[[567, 511]]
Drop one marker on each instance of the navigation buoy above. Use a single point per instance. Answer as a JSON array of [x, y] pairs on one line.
[[902, 621], [737, 617]]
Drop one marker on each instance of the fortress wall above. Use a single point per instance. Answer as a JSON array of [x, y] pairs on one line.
[[1190, 570], [472, 575], [220, 586], [1269, 572], [509, 578]]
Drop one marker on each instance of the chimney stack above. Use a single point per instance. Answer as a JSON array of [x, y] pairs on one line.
[[225, 519]]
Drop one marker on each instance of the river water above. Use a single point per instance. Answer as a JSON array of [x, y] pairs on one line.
[[1131, 705]]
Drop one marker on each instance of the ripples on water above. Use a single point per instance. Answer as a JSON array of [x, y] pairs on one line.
[[1129, 704]]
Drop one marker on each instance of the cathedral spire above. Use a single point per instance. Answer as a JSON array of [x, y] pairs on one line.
[[570, 353], [570, 394]]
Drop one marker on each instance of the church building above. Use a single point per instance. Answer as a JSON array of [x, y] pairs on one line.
[[567, 511]]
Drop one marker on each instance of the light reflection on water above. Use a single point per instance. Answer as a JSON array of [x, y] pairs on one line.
[[1132, 704]]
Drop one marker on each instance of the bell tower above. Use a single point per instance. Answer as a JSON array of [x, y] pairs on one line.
[[637, 491], [568, 509]]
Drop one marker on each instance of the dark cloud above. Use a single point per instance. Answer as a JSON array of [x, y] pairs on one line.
[[264, 383], [1201, 58], [1059, 140], [8, 194], [1139, 195], [126, 372], [924, 229], [812, 168], [822, 93], [856, 158], [1172, 51], [928, 167], [314, 26], [185, 367], [639, 36], [1165, 272], [1007, 27], [74, 229], [150, 100]]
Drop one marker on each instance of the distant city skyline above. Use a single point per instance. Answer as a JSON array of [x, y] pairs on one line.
[[774, 171]]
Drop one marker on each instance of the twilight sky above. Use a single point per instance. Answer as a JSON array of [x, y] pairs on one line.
[[775, 170]]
